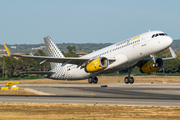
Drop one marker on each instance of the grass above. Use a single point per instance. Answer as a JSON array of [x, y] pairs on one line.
[[43, 111], [108, 79], [174, 74], [140, 74], [20, 78], [15, 92], [3, 79]]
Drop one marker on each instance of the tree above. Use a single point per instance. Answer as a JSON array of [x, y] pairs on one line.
[[71, 49], [172, 66], [40, 53]]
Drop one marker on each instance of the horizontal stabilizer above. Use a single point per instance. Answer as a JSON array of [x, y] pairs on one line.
[[37, 72]]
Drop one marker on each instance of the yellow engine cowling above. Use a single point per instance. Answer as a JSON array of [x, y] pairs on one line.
[[97, 65], [148, 66]]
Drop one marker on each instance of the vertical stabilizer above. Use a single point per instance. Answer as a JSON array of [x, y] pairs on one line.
[[52, 50]]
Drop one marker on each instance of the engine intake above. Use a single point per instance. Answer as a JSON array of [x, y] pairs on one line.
[[148, 67], [97, 65]]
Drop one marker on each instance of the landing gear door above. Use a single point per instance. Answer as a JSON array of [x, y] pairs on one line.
[[143, 40]]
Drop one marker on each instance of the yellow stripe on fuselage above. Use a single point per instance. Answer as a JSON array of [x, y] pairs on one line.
[[7, 50]]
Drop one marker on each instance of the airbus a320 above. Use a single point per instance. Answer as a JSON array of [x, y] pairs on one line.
[[123, 55]]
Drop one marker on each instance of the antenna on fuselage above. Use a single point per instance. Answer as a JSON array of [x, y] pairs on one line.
[[149, 30]]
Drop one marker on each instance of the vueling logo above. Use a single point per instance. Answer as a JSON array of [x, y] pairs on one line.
[[135, 38]]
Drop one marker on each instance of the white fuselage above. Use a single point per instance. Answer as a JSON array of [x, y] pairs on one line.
[[126, 54]]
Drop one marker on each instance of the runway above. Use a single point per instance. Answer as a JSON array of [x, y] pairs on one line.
[[145, 94]]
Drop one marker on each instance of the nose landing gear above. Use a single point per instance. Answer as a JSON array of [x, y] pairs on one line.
[[154, 59]]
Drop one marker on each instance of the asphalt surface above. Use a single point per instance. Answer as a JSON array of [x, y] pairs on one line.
[[145, 94]]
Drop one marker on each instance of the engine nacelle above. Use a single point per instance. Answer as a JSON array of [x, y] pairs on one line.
[[148, 66], [97, 65]]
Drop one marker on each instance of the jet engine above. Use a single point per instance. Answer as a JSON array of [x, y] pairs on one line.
[[149, 66], [97, 65]]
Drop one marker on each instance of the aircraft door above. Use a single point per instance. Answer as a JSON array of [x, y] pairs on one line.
[[143, 40]]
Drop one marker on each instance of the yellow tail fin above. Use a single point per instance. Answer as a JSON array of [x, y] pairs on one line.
[[7, 50]]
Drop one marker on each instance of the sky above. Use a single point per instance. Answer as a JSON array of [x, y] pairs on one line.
[[85, 21]]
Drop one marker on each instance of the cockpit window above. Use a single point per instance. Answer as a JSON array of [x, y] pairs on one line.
[[153, 36], [159, 34]]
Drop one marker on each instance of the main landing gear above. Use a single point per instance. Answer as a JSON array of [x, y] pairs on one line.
[[129, 79], [93, 80]]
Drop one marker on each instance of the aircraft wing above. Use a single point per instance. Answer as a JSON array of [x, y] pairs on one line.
[[147, 59], [172, 53], [67, 60]]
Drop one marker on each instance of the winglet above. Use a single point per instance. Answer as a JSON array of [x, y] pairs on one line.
[[7, 50], [172, 53]]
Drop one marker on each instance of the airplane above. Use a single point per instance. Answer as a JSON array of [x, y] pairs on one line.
[[123, 55]]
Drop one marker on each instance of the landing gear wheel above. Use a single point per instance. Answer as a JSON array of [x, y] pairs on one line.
[[126, 80], [90, 80], [131, 80], [155, 65], [95, 80]]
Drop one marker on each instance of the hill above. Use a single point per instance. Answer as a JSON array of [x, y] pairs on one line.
[[83, 47]]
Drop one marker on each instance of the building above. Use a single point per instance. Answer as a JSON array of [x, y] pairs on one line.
[[41, 47], [2, 50], [18, 54], [13, 47], [81, 53]]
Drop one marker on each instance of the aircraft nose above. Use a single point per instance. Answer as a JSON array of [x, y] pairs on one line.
[[168, 41]]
